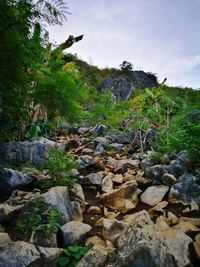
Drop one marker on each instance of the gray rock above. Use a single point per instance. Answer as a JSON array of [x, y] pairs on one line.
[[121, 84], [185, 190], [116, 146], [49, 256], [85, 160], [158, 171], [101, 141], [92, 179], [11, 180], [58, 198], [33, 151], [73, 232], [44, 239], [143, 244], [99, 129], [83, 130], [146, 163], [17, 254]]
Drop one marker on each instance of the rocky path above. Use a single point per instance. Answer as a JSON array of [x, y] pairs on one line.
[[135, 213]]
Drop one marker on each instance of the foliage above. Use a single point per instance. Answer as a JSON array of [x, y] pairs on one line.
[[72, 255], [105, 110], [126, 66], [58, 165], [38, 217], [37, 129], [51, 222], [31, 73]]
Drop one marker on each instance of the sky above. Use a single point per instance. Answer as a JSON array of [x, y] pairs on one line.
[[158, 36]]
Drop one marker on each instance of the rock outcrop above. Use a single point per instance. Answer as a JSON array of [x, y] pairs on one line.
[[121, 84]]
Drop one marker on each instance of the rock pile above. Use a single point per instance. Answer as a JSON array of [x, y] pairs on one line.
[[134, 213]]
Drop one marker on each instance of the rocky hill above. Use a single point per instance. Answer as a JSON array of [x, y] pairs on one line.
[[121, 84]]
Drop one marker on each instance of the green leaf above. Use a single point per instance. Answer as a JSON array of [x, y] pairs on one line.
[[74, 248], [148, 92], [63, 261]]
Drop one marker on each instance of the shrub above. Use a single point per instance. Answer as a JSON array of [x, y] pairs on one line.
[[58, 165]]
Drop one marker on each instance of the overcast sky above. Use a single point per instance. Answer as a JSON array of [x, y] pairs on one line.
[[160, 36]]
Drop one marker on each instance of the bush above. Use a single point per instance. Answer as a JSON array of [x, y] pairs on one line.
[[58, 165]]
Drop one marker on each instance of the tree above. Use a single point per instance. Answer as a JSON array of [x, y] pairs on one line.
[[126, 66], [21, 54]]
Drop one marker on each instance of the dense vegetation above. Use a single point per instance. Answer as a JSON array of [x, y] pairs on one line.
[[34, 72]]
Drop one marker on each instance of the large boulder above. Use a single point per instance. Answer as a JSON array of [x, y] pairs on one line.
[[121, 84], [17, 254], [58, 198], [32, 151], [144, 244], [11, 180], [185, 190], [23, 254]]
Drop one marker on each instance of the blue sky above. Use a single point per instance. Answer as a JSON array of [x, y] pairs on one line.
[[160, 36]]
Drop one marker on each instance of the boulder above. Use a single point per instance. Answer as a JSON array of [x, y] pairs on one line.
[[143, 244], [58, 198], [49, 256], [154, 194], [185, 190], [32, 151], [17, 254], [123, 199], [158, 173], [72, 233], [44, 239], [11, 180]]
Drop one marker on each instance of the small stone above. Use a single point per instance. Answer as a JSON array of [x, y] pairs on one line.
[[118, 178], [76, 211], [172, 218], [77, 191], [94, 210], [168, 179], [107, 184]]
